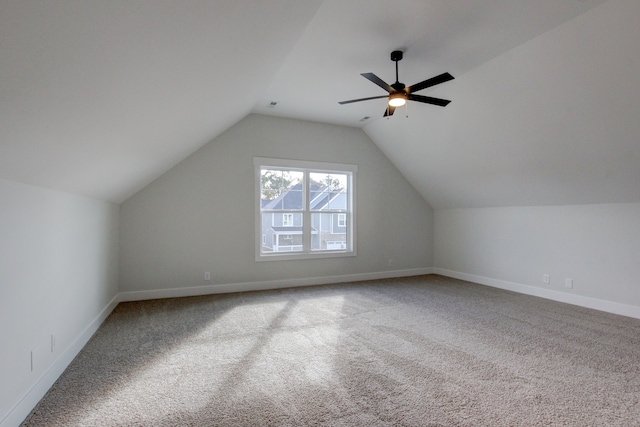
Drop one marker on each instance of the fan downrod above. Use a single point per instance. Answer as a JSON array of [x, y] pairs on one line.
[[396, 56]]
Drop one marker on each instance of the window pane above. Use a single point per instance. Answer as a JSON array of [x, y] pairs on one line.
[[281, 189], [328, 191], [281, 238], [329, 232]]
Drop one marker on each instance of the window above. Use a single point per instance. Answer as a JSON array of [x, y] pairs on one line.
[[306, 207]]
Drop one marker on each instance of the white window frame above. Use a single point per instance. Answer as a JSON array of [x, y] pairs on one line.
[[287, 223], [306, 167]]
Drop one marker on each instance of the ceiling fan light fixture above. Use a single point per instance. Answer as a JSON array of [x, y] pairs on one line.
[[397, 99], [399, 94]]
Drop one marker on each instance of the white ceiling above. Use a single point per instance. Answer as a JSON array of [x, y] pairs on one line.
[[346, 38], [101, 97]]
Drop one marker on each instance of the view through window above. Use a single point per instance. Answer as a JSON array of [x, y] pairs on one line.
[[304, 209]]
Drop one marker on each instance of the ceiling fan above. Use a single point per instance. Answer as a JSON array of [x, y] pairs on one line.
[[399, 94]]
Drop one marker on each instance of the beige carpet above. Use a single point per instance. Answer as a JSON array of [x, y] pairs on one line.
[[420, 351]]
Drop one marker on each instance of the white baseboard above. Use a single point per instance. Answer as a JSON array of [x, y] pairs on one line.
[[268, 284], [583, 301], [49, 377], [44, 383], [39, 389]]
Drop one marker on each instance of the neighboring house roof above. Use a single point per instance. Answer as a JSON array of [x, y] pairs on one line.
[[321, 197], [332, 199]]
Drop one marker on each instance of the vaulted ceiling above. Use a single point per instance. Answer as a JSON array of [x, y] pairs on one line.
[[101, 97]]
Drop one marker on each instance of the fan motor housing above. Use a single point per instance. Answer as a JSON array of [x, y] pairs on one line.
[[399, 87]]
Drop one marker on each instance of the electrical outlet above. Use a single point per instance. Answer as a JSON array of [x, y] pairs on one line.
[[568, 283], [53, 343], [546, 278], [390, 263], [207, 275]]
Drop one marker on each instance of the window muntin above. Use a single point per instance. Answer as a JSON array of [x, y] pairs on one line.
[[314, 201]]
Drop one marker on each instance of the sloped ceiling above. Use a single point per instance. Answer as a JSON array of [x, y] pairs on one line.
[[553, 121], [101, 97]]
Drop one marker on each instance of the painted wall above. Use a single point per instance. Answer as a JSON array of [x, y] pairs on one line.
[[199, 216], [598, 246], [58, 273]]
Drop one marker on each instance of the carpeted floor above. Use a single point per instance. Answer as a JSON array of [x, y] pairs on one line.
[[419, 351]]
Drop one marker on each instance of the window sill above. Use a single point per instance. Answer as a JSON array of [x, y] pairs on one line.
[[305, 256]]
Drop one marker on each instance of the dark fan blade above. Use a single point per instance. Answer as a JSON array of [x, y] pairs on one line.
[[377, 80], [362, 99], [444, 77], [389, 111], [429, 100]]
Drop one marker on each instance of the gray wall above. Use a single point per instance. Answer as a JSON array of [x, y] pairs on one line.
[[598, 246], [58, 273], [199, 216]]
